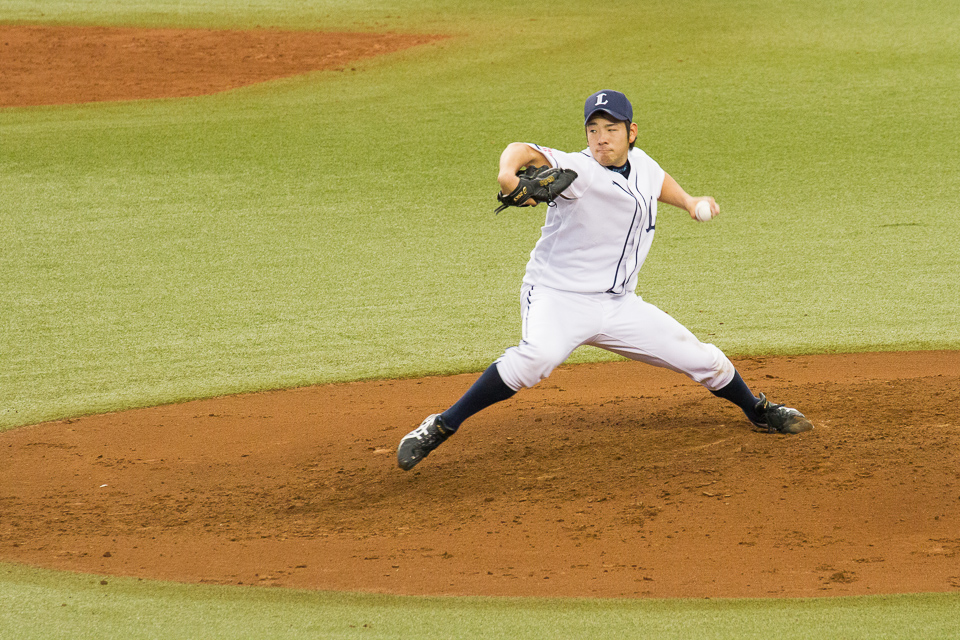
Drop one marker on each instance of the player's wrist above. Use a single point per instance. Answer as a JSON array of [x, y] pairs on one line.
[[508, 182]]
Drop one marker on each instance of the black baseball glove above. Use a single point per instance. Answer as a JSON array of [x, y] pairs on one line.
[[542, 184]]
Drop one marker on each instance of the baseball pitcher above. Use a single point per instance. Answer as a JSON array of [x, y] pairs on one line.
[[579, 285]]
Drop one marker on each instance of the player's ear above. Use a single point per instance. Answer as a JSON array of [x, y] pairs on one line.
[[632, 134]]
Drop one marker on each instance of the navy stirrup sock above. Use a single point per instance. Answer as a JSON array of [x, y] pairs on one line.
[[739, 394], [487, 390]]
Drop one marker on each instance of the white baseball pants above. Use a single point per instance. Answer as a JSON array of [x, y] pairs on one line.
[[557, 322]]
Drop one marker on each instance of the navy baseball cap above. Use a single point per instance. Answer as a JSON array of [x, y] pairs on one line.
[[612, 102]]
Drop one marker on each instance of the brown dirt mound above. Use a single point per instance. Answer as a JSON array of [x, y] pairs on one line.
[[43, 65], [605, 480]]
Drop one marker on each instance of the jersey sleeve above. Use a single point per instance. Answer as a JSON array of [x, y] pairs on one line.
[[655, 175]]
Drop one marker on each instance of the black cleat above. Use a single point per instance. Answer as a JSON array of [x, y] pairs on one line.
[[418, 444], [776, 418]]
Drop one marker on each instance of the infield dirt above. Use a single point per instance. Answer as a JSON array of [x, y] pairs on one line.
[[45, 65], [607, 480]]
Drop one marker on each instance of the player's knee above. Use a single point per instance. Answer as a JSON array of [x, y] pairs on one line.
[[527, 364]]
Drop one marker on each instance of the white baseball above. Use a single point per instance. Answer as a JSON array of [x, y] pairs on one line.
[[703, 212]]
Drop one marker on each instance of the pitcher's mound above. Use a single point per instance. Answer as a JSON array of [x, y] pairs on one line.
[[612, 480]]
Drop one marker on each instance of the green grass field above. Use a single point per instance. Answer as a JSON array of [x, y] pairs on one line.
[[290, 233], [55, 605]]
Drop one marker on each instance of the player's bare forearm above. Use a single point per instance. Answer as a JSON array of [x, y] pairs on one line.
[[673, 193], [516, 156]]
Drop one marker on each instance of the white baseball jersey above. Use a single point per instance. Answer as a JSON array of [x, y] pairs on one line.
[[599, 233], [578, 286]]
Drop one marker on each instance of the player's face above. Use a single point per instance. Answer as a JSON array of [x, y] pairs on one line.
[[610, 139]]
